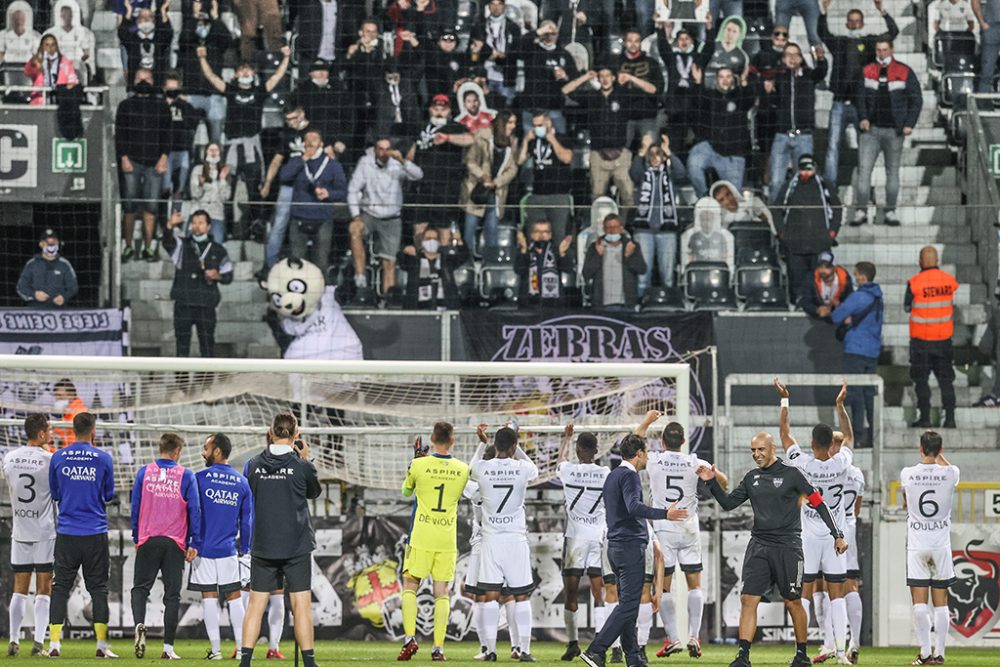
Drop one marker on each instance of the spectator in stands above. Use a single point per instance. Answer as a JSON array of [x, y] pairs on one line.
[[375, 198], [656, 223], [794, 91], [547, 68], [860, 317], [724, 50], [737, 207], [146, 38], [245, 97], [69, 404], [707, 240], [317, 180], [642, 79], [200, 265], [438, 151], [499, 35], [784, 10], [830, 285], [851, 52], [551, 175], [396, 108], [142, 142], [474, 114], [808, 223], [767, 64], [722, 130], [210, 190], [953, 16], [48, 68], [19, 41], [491, 166], [443, 62], [365, 65], [989, 347], [76, 41], [681, 99], [540, 265], [322, 98], [207, 31], [430, 272], [264, 13], [613, 265], [989, 34], [890, 110], [48, 279], [325, 29], [607, 113], [184, 120]]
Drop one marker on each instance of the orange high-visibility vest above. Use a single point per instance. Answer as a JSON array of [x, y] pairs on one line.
[[932, 312], [64, 436]]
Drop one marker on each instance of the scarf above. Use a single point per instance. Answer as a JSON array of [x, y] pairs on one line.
[[651, 183], [429, 287], [543, 274]]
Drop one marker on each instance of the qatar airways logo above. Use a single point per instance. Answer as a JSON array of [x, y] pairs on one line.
[[585, 338]]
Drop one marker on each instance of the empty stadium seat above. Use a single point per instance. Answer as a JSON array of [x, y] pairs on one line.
[[750, 256], [952, 46], [751, 234], [497, 279], [707, 284], [760, 287], [663, 300]]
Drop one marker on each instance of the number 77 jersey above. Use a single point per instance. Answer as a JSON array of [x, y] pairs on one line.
[[583, 486]]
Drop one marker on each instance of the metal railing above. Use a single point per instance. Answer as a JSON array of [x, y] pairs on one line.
[[981, 189]]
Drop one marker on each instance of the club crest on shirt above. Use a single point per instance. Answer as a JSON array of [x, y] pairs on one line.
[[778, 481]]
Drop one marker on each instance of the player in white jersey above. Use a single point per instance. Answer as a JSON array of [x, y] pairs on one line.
[[929, 489], [821, 551], [853, 494], [583, 544], [471, 585], [33, 540], [505, 556]]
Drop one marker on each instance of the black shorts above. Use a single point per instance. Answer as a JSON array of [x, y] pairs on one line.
[[766, 566], [272, 574], [90, 552]]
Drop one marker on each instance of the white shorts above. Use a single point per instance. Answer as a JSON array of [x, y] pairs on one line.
[[472, 574], [682, 547], [581, 557], [929, 567], [505, 563], [853, 564], [209, 575], [32, 556], [819, 556], [245, 571]]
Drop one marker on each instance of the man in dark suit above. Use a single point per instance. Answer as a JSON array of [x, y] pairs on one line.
[[628, 535]]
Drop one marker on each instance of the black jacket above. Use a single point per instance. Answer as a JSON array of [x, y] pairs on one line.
[[282, 487], [722, 120], [142, 129], [541, 88], [442, 70], [449, 262], [643, 105], [511, 37], [385, 112], [632, 268], [607, 116], [795, 98], [216, 44], [184, 120], [850, 55], [674, 63], [153, 53], [326, 110], [808, 213], [191, 259], [309, 23]]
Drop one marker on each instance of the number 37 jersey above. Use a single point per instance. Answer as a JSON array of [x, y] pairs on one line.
[[583, 486], [929, 489], [27, 473]]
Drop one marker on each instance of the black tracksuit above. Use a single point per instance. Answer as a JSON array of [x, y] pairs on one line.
[[195, 297], [795, 98], [850, 55], [282, 487], [722, 120]]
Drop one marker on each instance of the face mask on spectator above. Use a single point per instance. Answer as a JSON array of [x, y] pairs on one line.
[[884, 61], [612, 238], [497, 19], [210, 159], [547, 46], [172, 94], [202, 31], [200, 238], [60, 404], [51, 249], [145, 26], [431, 245], [245, 80], [854, 34], [540, 132], [438, 122], [320, 83]]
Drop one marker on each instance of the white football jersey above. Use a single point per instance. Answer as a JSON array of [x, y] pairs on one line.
[[673, 478], [27, 472], [830, 477], [930, 490], [583, 487], [502, 486], [472, 493], [854, 489]]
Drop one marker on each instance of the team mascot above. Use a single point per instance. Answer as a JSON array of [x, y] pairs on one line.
[[304, 314]]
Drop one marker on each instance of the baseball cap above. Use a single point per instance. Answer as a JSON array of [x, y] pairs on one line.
[[448, 32], [825, 257], [440, 100], [48, 233], [319, 65], [807, 163]]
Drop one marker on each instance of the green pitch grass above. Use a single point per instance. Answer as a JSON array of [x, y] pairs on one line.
[[335, 653]]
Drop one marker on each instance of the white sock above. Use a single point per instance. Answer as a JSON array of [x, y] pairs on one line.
[[645, 622], [855, 614], [522, 610], [168, 648], [103, 645], [922, 625], [477, 622], [805, 606], [696, 606], [610, 606], [668, 615], [600, 616], [210, 609], [510, 609], [17, 603], [275, 621], [236, 613], [569, 617], [245, 596], [491, 619], [42, 603], [942, 620], [825, 617], [838, 612]]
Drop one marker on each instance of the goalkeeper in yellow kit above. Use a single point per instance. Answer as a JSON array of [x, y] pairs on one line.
[[438, 481]]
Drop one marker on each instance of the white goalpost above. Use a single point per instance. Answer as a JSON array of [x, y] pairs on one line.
[[360, 417]]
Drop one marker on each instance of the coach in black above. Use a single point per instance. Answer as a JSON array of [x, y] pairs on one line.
[[628, 534], [774, 554], [282, 480]]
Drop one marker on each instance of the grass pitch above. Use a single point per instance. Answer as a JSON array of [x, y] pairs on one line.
[[335, 653]]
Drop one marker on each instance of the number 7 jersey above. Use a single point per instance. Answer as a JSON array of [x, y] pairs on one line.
[[503, 483], [930, 490], [27, 472]]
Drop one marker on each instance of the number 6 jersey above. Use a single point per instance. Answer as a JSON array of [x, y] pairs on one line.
[[27, 472], [929, 489]]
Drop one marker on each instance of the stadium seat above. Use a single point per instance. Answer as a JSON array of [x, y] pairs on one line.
[[497, 279], [707, 284], [949, 47], [663, 300], [955, 84], [752, 234], [760, 287], [749, 256]]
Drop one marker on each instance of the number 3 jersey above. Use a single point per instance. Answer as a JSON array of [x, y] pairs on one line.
[[583, 486], [27, 472], [673, 477], [830, 477], [929, 489]]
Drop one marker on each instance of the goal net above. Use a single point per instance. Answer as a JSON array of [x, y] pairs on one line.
[[360, 418]]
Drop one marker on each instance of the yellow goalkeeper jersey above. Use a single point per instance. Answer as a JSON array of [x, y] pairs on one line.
[[438, 482]]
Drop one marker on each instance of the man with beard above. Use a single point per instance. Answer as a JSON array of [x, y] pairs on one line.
[[829, 287], [540, 264], [643, 81], [438, 152], [474, 116]]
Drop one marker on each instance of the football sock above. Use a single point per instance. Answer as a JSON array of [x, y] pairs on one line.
[[42, 603], [855, 614], [309, 657], [805, 606], [838, 614], [922, 625], [477, 610], [491, 619], [275, 621], [569, 618], [236, 614], [210, 609], [409, 604], [668, 615], [246, 657], [523, 613], [55, 635], [942, 619], [17, 604], [510, 609], [101, 632], [168, 648], [744, 647], [800, 648], [696, 607], [824, 619], [442, 609], [600, 616], [645, 623]]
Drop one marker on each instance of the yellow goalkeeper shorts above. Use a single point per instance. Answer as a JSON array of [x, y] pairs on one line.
[[423, 563]]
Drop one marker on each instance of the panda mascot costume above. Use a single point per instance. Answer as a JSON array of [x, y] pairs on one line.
[[304, 314]]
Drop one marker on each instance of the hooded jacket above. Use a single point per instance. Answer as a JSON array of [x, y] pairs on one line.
[[722, 119], [55, 278], [810, 211], [76, 41], [752, 209], [864, 338], [632, 267], [282, 486], [19, 48], [850, 55], [377, 190]]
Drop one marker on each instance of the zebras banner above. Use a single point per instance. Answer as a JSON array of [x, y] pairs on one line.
[[96, 332]]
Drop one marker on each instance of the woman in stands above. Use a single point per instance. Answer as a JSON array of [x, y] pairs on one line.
[[210, 190], [49, 68]]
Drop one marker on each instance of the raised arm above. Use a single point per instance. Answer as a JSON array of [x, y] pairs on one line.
[[844, 418], [206, 70], [647, 421], [564, 445], [784, 428], [279, 74]]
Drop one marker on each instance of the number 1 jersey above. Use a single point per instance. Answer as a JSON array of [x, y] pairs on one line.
[[27, 472], [438, 482]]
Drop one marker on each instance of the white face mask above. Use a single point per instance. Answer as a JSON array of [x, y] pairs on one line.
[[60, 404], [145, 26], [547, 46], [884, 61], [211, 160], [431, 245], [853, 34], [200, 238], [52, 249], [320, 83], [245, 80], [438, 122]]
